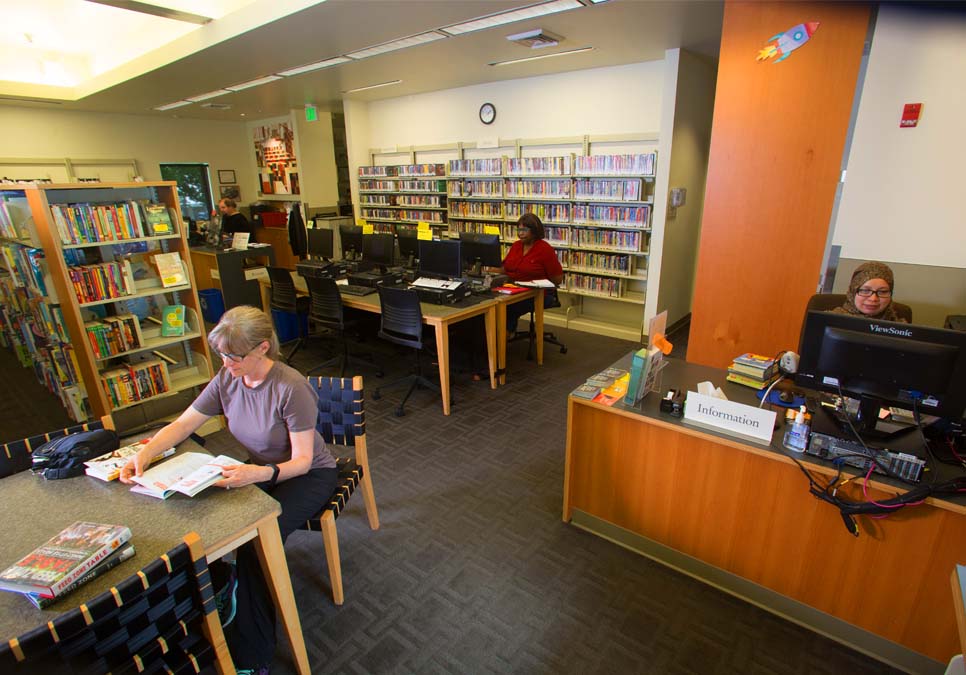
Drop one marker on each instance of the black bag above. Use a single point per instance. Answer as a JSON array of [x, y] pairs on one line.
[[64, 457]]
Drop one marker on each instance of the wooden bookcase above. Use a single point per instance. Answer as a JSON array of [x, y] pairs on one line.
[[62, 299]]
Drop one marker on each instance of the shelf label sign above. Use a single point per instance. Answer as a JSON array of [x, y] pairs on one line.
[[491, 229], [736, 419]]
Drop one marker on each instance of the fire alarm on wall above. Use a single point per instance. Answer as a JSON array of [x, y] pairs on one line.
[[910, 115]]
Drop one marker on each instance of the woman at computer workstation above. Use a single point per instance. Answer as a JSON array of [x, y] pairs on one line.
[[271, 410], [870, 293], [530, 258]]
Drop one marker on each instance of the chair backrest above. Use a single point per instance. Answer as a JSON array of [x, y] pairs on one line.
[[824, 302], [342, 413], [401, 318], [283, 290], [162, 619], [17, 455], [325, 302]]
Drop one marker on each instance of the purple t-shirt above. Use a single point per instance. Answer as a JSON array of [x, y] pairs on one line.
[[262, 417]]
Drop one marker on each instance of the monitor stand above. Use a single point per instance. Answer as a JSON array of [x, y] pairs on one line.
[[868, 424]]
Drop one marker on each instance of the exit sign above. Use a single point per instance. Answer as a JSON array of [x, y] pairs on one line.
[[311, 113]]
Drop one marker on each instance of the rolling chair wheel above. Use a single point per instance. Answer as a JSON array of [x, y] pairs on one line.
[[399, 412], [376, 395], [563, 350], [380, 373]]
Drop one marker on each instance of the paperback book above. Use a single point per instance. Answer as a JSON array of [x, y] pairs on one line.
[[108, 467], [126, 552], [172, 321], [189, 473], [158, 219], [50, 569], [170, 269]]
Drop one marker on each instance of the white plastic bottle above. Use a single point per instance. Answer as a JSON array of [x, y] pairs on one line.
[[796, 438]]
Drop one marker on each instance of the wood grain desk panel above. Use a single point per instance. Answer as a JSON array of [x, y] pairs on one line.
[[35, 510], [746, 509]]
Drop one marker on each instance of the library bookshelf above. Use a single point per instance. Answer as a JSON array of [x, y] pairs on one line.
[[596, 210], [83, 296], [393, 198]]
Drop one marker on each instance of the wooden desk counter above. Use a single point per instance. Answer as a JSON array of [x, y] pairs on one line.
[[35, 510], [742, 516]]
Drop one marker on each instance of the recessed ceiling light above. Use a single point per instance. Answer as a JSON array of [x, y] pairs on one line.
[[328, 63], [512, 16], [411, 41], [172, 106], [253, 83], [372, 86], [542, 56], [210, 94]]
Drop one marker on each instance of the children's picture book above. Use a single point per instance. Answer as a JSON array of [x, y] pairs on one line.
[[126, 552], [51, 568], [158, 219], [108, 467], [170, 269], [172, 321], [188, 473]]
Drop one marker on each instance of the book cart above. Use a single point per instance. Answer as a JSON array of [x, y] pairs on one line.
[[597, 211], [83, 297]]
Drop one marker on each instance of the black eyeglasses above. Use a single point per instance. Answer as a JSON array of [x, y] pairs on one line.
[[235, 358], [869, 292]]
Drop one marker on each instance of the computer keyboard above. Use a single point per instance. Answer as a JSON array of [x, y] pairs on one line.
[[353, 289], [443, 284]]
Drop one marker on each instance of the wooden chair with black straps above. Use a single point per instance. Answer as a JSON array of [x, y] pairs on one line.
[[17, 455], [162, 619], [342, 423]]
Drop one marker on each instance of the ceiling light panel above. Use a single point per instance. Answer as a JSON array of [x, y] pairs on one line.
[[510, 17], [318, 65], [395, 45], [254, 83], [542, 56], [172, 106], [210, 94], [372, 86]]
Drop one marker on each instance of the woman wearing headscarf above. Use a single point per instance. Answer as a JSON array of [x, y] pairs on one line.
[[870, 293]]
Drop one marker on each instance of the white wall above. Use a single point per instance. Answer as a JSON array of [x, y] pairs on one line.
[[34, 133], [903, 196]]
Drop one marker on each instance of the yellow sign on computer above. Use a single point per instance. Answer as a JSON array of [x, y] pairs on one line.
[[367, 228], [423, 225], [426, 235], [491, 229]]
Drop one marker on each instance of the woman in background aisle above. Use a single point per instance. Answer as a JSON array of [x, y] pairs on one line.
[[271, 410], [870, 293], [530, 258]]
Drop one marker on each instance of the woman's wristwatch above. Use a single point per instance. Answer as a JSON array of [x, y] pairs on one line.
[[274, 479]]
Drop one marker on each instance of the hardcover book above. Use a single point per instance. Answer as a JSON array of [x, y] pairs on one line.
[[51, 568], [158, 220], [113, 560]]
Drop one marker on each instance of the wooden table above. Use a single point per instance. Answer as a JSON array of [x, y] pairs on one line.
[[34, 510], [739, 515], [506, 300], [440, 317]]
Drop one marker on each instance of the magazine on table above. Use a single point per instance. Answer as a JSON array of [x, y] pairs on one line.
[[188, 473]]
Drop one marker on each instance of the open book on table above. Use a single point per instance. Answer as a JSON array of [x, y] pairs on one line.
[[536, 283], [188, 473]]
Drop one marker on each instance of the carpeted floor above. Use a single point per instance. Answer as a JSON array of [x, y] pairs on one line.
[[473, 571]]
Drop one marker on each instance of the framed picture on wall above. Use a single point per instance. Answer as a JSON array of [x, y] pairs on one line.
[[226, 176], [229, 192]]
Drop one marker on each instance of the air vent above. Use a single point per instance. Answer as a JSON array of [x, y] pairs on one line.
[[216, 106], [535, 39]]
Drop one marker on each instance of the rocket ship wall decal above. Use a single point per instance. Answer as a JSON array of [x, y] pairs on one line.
[[783, 44]]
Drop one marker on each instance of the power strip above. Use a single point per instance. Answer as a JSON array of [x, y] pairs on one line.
[[899, 464]]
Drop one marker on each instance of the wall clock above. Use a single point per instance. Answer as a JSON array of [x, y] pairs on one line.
[[487, 113]]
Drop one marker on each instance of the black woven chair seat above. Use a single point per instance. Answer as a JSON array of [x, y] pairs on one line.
[[350, 474]]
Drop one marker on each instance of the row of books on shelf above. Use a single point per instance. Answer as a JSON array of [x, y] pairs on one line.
[[629, 217], [435, 201], [432, 217], [402, 186], [135, 382], [632, 164], [603, 286], [403, 170], [114, 334], [13, 218], [95, 223], [26, 266], [116, 279]]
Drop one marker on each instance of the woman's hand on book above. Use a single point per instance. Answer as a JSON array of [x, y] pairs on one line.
[[243, 474], [136, 466]]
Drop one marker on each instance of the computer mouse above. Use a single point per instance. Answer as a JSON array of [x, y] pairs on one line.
[[786, 397]]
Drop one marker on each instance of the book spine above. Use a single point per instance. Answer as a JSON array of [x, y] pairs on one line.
[[75, 574], [98, 570]]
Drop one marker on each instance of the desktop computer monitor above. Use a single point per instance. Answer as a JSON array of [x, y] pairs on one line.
[[351, 238], [378, 249], [479, 250], [320, 243], [408, 247], [440, 259], [884, 363]]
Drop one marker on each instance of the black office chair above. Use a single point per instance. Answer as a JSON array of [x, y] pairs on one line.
[[401, 322], [550, 300], [826, 302], [285, 299], [161, 619], [326, 310]]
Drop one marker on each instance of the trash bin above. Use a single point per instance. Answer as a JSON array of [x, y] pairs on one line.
[[289, 326], [212, 304]]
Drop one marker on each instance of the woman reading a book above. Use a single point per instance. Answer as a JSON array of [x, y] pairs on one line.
[[870, 293], [531, 258], [271, 410]]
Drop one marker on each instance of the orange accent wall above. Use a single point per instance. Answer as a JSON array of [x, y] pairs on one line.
[[776, 149]]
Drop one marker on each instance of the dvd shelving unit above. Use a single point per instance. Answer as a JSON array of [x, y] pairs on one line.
[[394, 198], [81, 280]]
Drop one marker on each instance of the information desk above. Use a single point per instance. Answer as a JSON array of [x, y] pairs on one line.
[[438, 316], [35, 510], [226, 269], [739, 515]]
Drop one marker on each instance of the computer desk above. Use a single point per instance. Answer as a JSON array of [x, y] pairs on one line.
[[440, 317], [738, 515], [35, 510], [508, 299]]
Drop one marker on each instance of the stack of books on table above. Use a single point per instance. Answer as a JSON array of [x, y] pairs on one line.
[[605, 387], [78, 554], [753, 370]]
